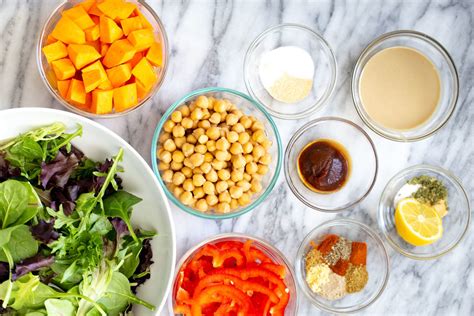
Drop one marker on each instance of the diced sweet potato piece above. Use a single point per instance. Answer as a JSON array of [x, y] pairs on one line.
[[92, 33], [102, 101], [82, 55], [68, 32], [76, 93], [55, 51], [106, 85], [155, 54], [63, 69], [119, 52], [109, 30], [125, 97], [63, 87], [86, 4], [103, 49], [141, 39], [116, 8], [131, 24], [91, 79], [119, 75], [97, 66], [144, 73], [136, 58], [79, 16]]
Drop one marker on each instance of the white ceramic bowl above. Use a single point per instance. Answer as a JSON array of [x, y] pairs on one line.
[[153, 213]]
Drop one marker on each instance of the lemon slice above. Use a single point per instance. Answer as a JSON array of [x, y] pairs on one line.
[[417, 223]]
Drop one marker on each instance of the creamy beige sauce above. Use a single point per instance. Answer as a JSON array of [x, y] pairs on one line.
[[400, 88]]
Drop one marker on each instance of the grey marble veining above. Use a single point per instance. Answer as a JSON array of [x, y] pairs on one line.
[[208, 43]]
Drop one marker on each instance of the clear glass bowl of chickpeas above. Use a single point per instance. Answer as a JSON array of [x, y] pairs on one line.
[[217, 153]]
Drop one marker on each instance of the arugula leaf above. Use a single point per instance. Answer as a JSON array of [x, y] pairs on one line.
[[19, 242], [18, 203], [120, 205]]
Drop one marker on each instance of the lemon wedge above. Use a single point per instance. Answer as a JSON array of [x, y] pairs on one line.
[[417, 223]]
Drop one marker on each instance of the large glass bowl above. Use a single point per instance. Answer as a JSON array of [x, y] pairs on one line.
[[325, 69], [273, 253], [455, 223], [363, 162], [249, 107], [377, 266], [47, 74], [448, 76]]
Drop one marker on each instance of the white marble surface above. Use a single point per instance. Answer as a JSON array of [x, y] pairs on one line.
[[208, 42]]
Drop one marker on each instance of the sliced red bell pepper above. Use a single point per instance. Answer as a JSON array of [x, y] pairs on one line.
[[182, 310], [278, 269], [217, 294], [220, 256]]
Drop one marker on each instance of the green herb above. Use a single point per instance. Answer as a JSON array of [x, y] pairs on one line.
[[431, 191]]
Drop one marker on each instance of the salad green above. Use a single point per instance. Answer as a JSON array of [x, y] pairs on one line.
[[67, 244]]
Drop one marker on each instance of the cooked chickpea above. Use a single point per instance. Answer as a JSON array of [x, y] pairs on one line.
[[179, 141], [177, 191], [208, 157], [224, 197], [204, 124], [231, 119], [206, 167], [256, 186], [257, 125], [198, 180], [197, 159], [251, 168], [223, 174], [201, 205], [220, 155], [258, 151], [165, 156], [178, 156], [218, 164], [176, 116], [209, 187], [186, 198], [248, 158], [245, 121], [163, 137], [187, 162], [178, 178], [213, 132], [247, 177], [247, 148], [197, 170], [202, 102], [168, 126], [267, 144], [234, 204], [222, 144], [212, 200], [169, 145], [236, 149], [223, 208], [178, 131], [265, 159], [184, 110], [188, 185], [215, 118], [205, 116], [176, 165], [191, 139], [238, 128], [188, 172], [211, 176], [198, 132], [237, 113], [201, 149], [238, 161], [220, 106], [196, 114], [237, 175], [244, 199], [262, 169], [221, 186], [245, 185], [188, 149], [258, 136], [198, 193], [244, 138], [236, 192], [187, 123], [232, 136], [211, 145], [167, 176]]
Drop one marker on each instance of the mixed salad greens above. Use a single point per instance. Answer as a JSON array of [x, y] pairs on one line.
[[67, 245]]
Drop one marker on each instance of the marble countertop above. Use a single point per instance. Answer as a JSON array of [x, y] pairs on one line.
[[208, 43]]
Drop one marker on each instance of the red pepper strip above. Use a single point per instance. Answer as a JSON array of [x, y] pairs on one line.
[[219, 256], [275, 268], [258, 255], [244, 286], [246, 249], [182, 309], [229, 244], [225, 310], [181, 293], [217, 294]]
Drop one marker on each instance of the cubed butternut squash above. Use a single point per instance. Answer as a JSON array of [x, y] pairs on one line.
[[109, 30], [102, 101], [97, 66], [76, 92], [103, 49], [92, 33], [82, 55], [63, 87], [106, 85], [79, 16], [55, 51], [63, 69], [155, 54], [120, 74], [118, 53], [116, 8], [68, 32], [144, 73], [50, 39], [94, 10], [91, 79], [145, 23], [142, 92], [131, 24], [136, 58], [125, 97], [141, 39], [86, 4]]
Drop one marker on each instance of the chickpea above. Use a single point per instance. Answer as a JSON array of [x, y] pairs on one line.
[[186, 198], [245, 185], [201, 149], [187, 162], [222, 144], [265, 159], [176, 166], [223, 208], [163, 166], [212, 200], [230, 183], [177, 191], [262, 169], [256, 186], [188, 172], [238, 128], [211, 145], [204, 124], [236, 192], [247, 177], [244, 199], [215, 118], [197, 159], [187, 123], [206, 167], [202, 102], [198, 180], [232, 136], [248, 158], [213, 133], [197, 171], [196, 114], [245, 121], [206, 115], [165, 156], [191, 139], [169, 145], [238, 161], [201, 205], [218, 164], [244, 138], [251, 168], [184, 110], [178, 131], [188, 149], [211, 176], [163, 137], [220, 155], [168, 126], [231, 119], [223, 116], [202, 139], [208, 157], [209, 188], [198, 132], [237, 113], [188, 185], [236, 149], [159, 151], [247, 148], [198, 193], [178, 156], [258, 136], [176, 116], [257, 125], [167, 176], [224, 197], [267, 144], [237, 175], [178, 178], [179, 141], [258, 151], [221, 186], [220, 106], [223, 174]]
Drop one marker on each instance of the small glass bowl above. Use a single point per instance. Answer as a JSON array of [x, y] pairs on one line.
[[455, 223], [47, 74], [324, 63], [276, 255], [377, 265], [249, 107], [363, 162], [448, 76]]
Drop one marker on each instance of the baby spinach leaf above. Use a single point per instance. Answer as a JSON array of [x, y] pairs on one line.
[[59, 307], [18, 203], [120, 205], [19, 242]]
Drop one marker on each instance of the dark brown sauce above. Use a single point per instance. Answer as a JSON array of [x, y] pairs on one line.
[[324, 165]]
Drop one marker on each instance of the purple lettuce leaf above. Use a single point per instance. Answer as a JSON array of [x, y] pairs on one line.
[[3, 271], [57, 172], [146, 256], [6, 170], [32, 264], [44, 232]]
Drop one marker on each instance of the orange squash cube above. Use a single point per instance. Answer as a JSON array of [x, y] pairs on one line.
[[155, 54], [76, 93], [92, 33], [68, 32], [106, 85], [125, 97], [103, 49], [91, 79], [55, 51], [63, 87], [116, 8], [119, 52], [136, 58], [50, 39], [63, 69], [94, 10], [141, 39], [145, 23], [131, 24], [119, 75], [109, 30], [79, 16], [86, 4], [97, 66], [82, 55], [145, 73], [142, 92], [102, 101]]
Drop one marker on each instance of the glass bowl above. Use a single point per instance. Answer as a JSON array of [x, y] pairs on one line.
[[47, 74], [377, 265], [277, 256], [325, 71], [448, 76], [249, 107], [363, 161], [455, 223]]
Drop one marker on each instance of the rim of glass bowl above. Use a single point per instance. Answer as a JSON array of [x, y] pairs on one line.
[[300, 253], [161, 30], [290, 145], [274, 251], [358, 69], [170, 195], [406, 171], [328, 50]]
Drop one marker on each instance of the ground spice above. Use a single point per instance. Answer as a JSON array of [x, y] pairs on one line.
[[289, 89], [359, 253], [313, 257], [341, 267], [356, 278], [317, 276], [327, 243], [340, 250], [334, 288]]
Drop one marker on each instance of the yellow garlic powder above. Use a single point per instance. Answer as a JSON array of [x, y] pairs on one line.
[[317, 276]]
